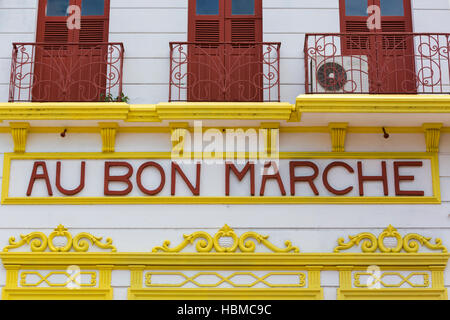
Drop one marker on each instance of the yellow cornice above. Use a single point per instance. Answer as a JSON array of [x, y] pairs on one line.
[[147, 113], [225, 110], [360, 103], [280, 111], [329, 261], [167, 129], [64, 111]]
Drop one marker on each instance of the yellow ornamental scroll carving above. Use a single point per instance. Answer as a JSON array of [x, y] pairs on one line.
[[370, 243], [225, 241], [39, 242]]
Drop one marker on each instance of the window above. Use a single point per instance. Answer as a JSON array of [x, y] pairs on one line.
[[392, 8], [207, 7], [57, 8], [93, 8], [356, 7], [243, 7]]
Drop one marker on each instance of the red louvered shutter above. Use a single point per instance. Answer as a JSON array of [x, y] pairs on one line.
[[70, 72], [396, 63], [244, 56], [50, 59], [206, 60], [357, 44]]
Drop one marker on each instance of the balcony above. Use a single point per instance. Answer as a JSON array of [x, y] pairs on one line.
[[224, 72], [75, 72], [377, 63]]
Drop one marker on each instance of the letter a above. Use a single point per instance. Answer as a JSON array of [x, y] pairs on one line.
[[43, 175]]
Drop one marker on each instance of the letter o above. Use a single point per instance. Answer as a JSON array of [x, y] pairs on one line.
[[139, 180]]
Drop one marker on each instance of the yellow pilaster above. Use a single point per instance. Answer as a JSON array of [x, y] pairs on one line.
[[136, 279], [345, 280], [104, 278], [314, 277]]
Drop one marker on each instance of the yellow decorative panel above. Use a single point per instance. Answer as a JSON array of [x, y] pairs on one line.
[[232, 280], [233, 244], [39, 242], [371, 280], [34, 279], [409, 243], [225, 266], [377, 281]]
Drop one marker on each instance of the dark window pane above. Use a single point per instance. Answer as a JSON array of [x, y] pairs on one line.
[[57, 8], [93, 8], [356, 8], [243, 7], [392, 8], [207, 7]]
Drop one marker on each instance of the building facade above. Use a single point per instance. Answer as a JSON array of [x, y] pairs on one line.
[[225, 149]]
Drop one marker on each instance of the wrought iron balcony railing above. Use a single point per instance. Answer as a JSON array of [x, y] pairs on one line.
[[56, 72], [380, 63], [244, 72]]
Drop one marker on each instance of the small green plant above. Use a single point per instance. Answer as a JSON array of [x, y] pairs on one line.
[[110, 98]]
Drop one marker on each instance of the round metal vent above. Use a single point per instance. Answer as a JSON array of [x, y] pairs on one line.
[[331, 76]]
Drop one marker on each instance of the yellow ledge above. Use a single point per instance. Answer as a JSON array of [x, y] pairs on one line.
[[225, 294], [226, 261], [56, 294], [148, 113], [364, 103], [392, 294]]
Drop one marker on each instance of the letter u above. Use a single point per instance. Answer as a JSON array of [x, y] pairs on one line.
[[74, 191]]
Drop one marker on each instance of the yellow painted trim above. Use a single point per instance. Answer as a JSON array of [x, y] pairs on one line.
[[377, 103], [226, 261], [8, 157], [146, 129], [392, 294], [148, 113], [225, 294], [64, 111], [56, 294], [225, 110]]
